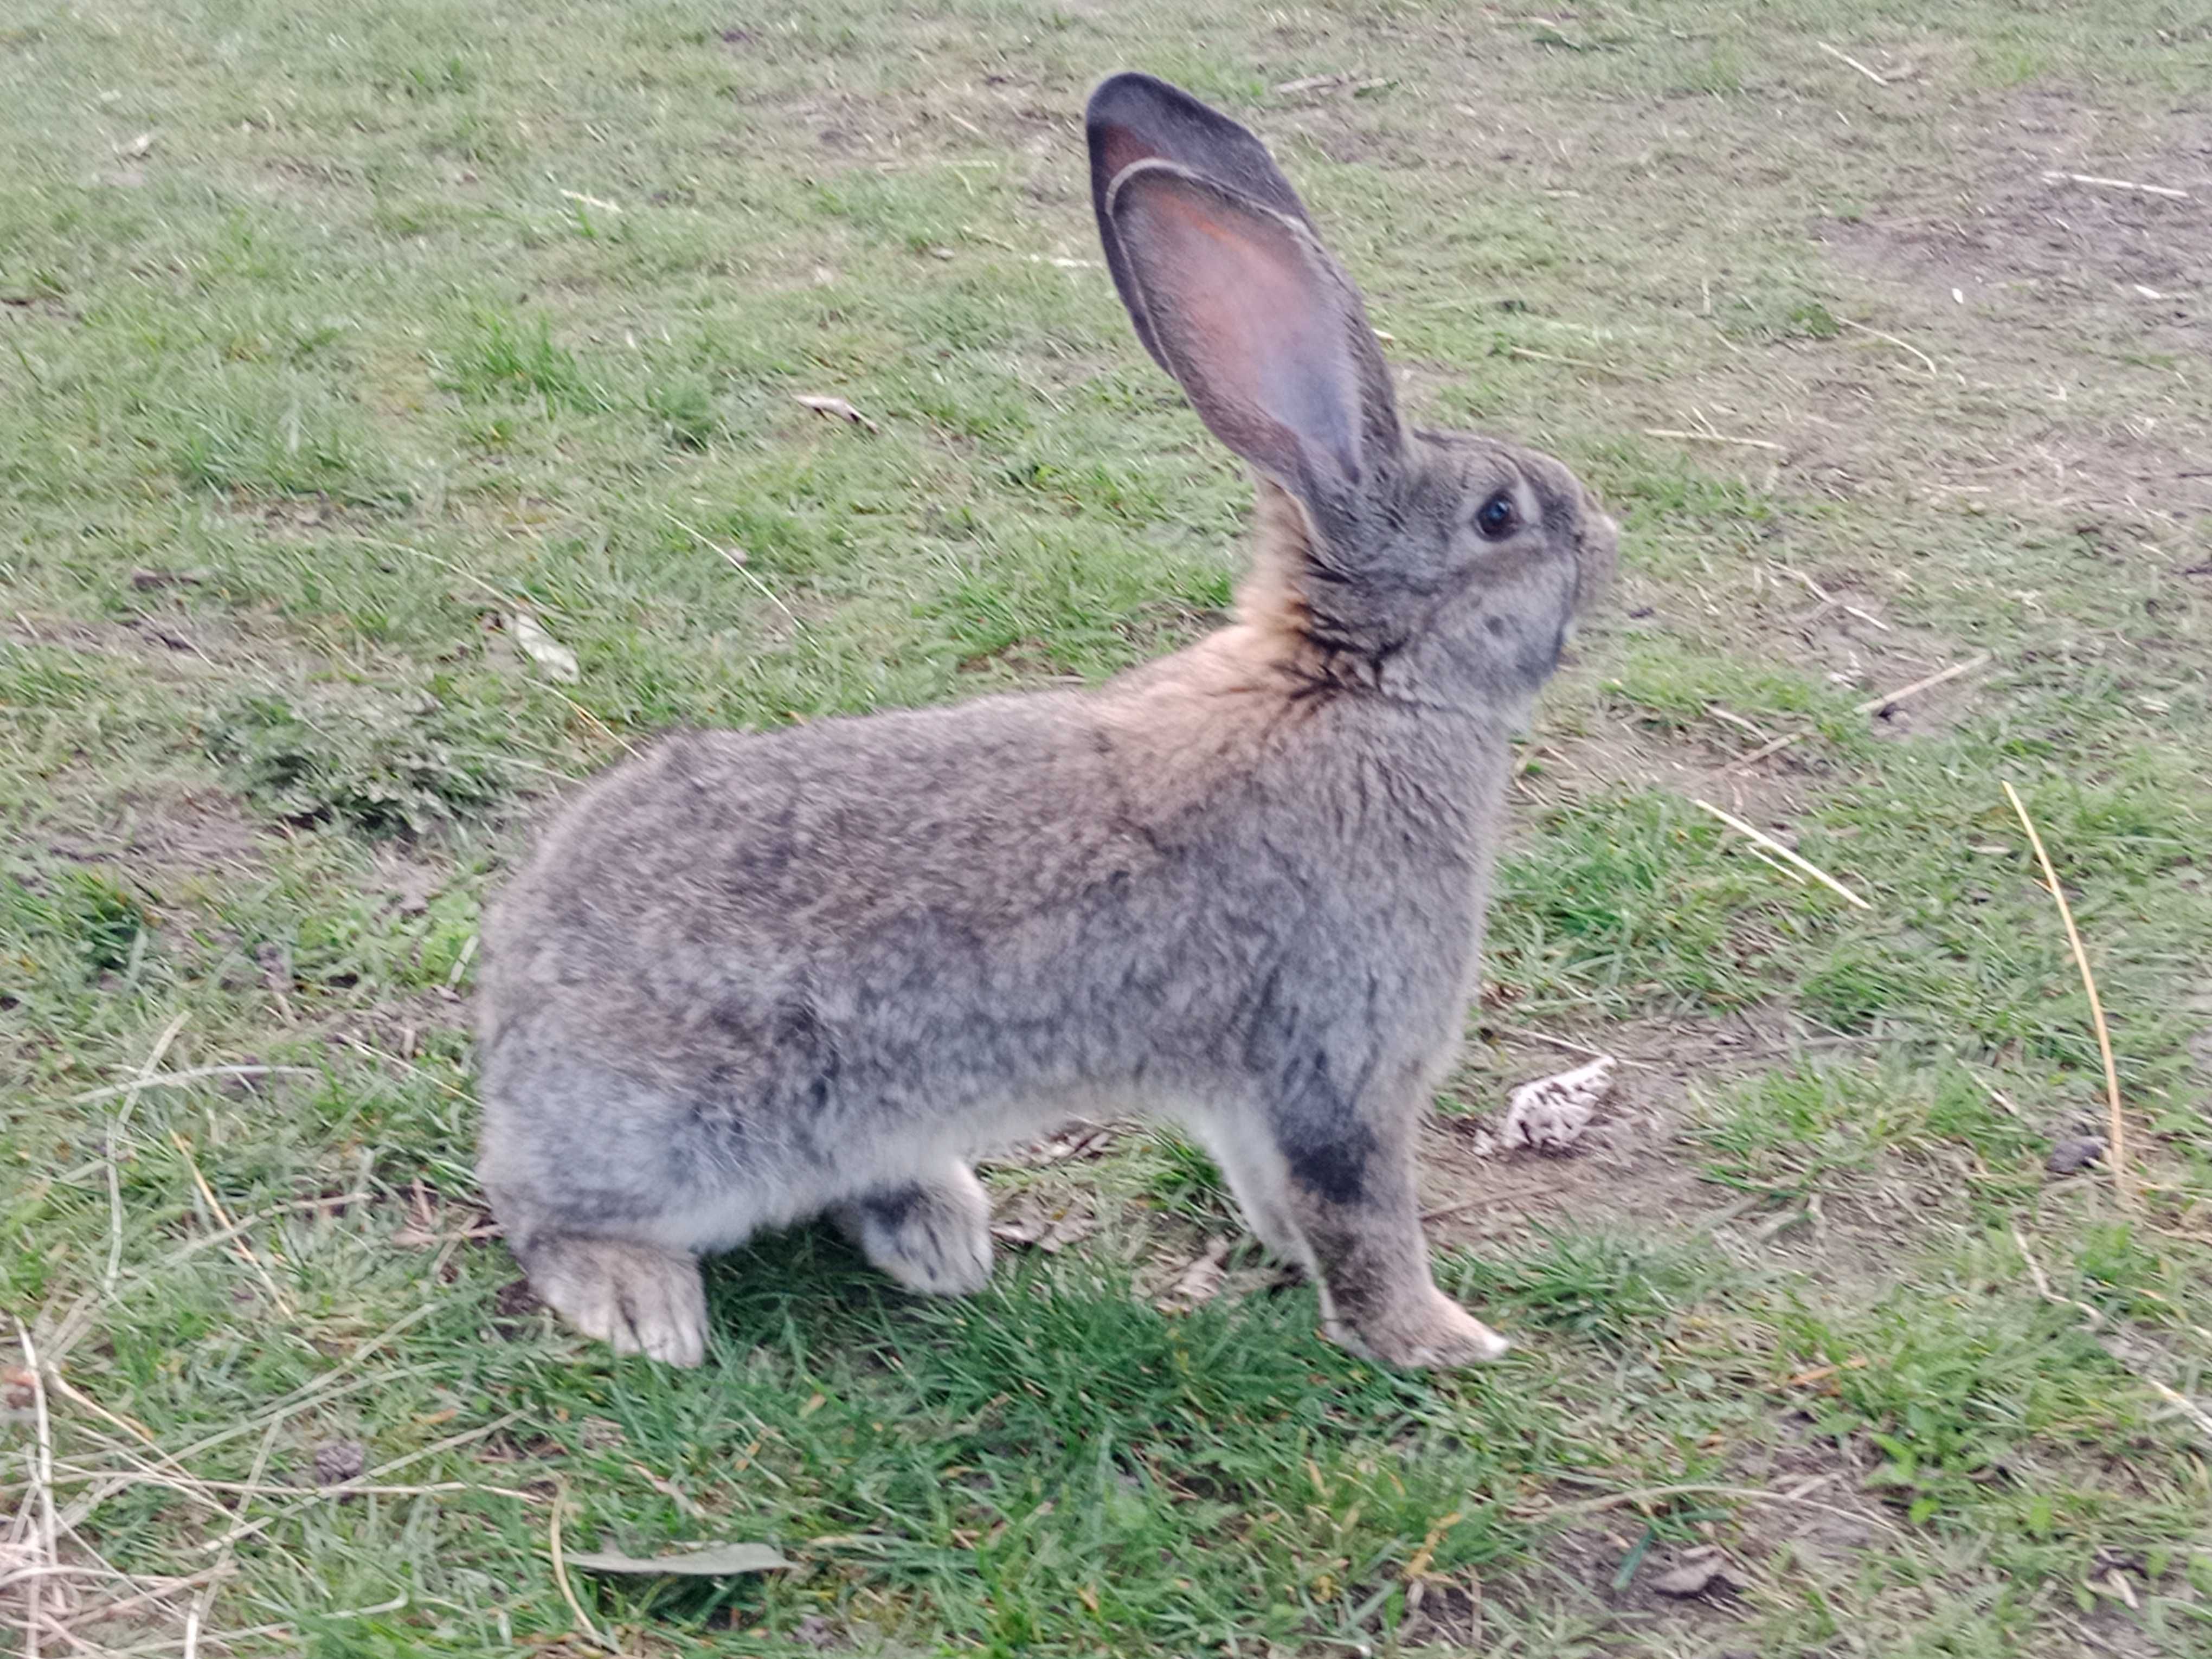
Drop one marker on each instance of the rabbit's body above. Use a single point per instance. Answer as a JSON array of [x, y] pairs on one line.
[[751, 978]]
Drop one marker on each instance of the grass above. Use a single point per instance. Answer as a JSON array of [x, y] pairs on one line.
[[336, 338]]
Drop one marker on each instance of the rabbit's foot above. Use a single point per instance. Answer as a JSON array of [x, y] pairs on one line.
[[1432, 1332], [636, 1297], [933, 1237]]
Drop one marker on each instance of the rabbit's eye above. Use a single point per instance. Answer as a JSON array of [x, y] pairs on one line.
[[1496, 518]]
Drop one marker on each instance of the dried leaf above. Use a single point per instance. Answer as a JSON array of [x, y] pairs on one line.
[[142, 146], [337, 1461], [1552, 1113], [2076, 1153], [1691, 1578], [1198, 1283], [1032, 1225], [689, 1561], [558, 661], [839, 408], [1082, 1140]]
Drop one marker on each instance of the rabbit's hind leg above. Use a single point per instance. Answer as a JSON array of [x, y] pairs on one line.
[[639, 1298], [932, 1236]]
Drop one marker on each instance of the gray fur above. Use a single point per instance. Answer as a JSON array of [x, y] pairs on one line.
[[750, 978]]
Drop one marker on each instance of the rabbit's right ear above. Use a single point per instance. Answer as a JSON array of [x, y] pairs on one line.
[[1134, 118], [1228, 288]]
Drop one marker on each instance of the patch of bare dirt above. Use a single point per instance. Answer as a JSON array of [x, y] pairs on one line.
[[168, 830], [2057, 226]]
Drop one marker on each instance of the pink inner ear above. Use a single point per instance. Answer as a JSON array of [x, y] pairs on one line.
[[1120, 148], [1255, 324]]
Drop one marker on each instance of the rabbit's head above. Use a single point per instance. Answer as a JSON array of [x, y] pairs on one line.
[[1437, 567]]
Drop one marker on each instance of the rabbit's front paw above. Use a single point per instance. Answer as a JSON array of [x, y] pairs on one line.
[[634, 1297], [931, 1236], [1434, 1333]]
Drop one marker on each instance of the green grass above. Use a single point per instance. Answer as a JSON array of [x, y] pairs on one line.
[[334, 339]]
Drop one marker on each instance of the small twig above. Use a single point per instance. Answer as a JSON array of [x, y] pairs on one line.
[[1774, 748], [2187, 1407], [1811, 586], [174, 1079], [2117, 1119], [560, 1574], [1794, 860], [1873, 705], [1890, 699], [2118, 184], [1845, 57], [1735, 719], [1709, 438], [1902, 345]]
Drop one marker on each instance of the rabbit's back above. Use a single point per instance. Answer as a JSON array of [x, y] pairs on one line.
[[778, 953]]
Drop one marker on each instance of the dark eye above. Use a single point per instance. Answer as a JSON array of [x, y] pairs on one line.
[[1497, 519]]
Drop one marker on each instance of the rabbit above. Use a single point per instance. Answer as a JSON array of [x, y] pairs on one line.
[[749, 978]]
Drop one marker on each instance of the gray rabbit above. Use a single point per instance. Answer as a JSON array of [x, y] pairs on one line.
[[750, 978]]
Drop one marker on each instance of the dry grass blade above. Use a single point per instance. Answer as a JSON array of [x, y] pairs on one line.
[[2117, 1120], [837, 408], [115, 1128], [1891, 699], [560, 1574], [2198, 1419], [1681, 436], [244, 1251], [177, 1079], [2103, 183], [38, 1499], [1902, 345], [1758, 837], [1842, 57]]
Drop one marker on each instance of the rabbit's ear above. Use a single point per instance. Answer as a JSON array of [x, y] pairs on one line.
[[1133, 117], [1264, 332]]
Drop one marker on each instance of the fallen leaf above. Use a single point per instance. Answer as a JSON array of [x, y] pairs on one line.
[[1691, 1578], [2077, 1153], [1084, 1140], [140, 146], [1032, 1225], [1198, 1283], [1552, 1113], [558, 661], [337, 1461], [839, 408], [688, 1560], [1310, 84]]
